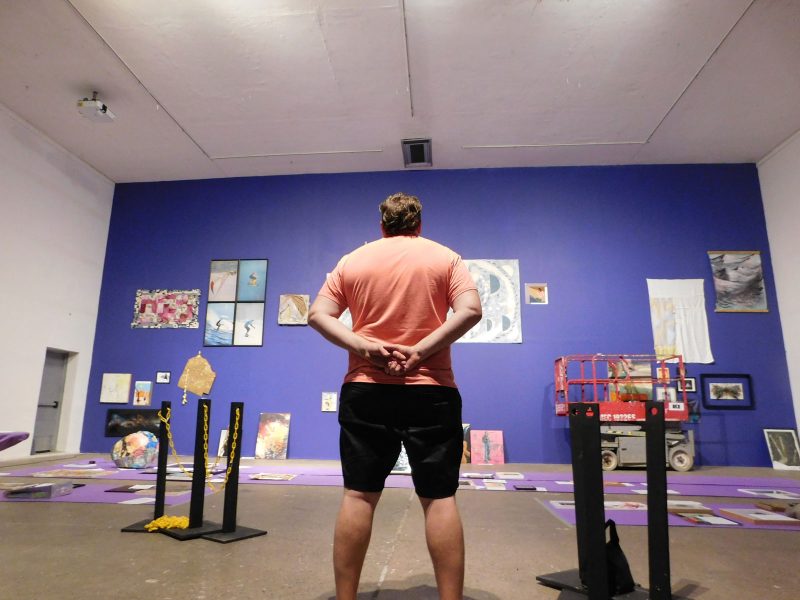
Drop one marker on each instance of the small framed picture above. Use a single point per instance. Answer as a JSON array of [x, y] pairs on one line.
[[536, 293], [666, 394], [329, 401], [727, 391], [784, 451], [163, 376], [690, 384]]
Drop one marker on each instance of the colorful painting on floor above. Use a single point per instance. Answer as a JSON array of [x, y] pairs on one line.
[[273, 435], [165, 309], [487, 447], [499, 291]]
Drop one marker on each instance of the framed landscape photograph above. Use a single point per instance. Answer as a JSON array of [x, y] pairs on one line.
[[727, 391], [784, 451]]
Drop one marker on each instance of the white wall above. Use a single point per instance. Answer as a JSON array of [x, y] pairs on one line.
[[53, 231], [779, 173]]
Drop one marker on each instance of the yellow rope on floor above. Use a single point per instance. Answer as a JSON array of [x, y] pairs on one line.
[[168, 522]]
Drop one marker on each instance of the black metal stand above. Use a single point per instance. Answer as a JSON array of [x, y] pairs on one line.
[[197, 527], [161, 475], [230, 532], [591, 578]]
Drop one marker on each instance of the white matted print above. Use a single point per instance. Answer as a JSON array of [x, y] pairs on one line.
[[499, 290], [115, 388], [329, 401], [784, 451], [293, 309], [536, 293], [248, 329]]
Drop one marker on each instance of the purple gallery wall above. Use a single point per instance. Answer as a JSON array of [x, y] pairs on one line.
[[594, 234]]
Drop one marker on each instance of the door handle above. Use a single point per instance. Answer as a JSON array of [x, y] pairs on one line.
[[53, 405]]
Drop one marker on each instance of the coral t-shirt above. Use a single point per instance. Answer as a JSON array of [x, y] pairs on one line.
[[398, 290]]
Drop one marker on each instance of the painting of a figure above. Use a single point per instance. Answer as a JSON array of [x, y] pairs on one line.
[[273, 435], [248, 329], [219, 323], [222, 280], [738, 281], [252, 285], [487, 447]]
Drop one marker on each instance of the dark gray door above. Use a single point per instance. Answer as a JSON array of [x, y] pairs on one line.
[[51, 396]]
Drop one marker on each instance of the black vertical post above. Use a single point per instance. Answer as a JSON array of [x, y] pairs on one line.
[[161, 465], [232, 485], [230, 531], [657, 519], [199, 468], [584, 425]]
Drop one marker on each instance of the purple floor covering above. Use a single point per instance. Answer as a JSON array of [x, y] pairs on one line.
[[683, 484], [639, 517], [97, 493]]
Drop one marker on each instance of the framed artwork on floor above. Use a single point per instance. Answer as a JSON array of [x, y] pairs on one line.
[[784, 450], [727, 391]]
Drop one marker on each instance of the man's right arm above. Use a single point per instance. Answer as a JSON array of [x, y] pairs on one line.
[[466, 314]]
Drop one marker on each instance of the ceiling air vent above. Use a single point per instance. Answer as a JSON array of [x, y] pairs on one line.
[[417, 153]]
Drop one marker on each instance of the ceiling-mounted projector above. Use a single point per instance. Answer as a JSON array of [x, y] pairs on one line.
[[95, 110]]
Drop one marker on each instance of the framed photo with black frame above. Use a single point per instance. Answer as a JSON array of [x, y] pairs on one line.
[[690, 385], [727, 391]]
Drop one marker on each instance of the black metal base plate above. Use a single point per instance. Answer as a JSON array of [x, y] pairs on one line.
[[570, 582], [240, 533], [192, 533], [137, 527]]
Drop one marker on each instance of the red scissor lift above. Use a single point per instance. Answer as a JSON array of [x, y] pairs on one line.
[[621, 384]]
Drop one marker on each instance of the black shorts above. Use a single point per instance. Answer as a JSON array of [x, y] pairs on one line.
[[376, 417]]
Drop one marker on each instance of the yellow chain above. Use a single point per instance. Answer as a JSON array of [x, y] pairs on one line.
[[166, 420], [234, 438], [208, 469]]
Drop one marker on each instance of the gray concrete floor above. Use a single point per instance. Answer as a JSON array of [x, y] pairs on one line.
[[70, 550]]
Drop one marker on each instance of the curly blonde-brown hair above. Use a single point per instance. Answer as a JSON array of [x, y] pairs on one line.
[[401, 214]]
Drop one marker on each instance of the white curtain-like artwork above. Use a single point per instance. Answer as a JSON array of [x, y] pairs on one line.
[[678, 316], [499, 290]]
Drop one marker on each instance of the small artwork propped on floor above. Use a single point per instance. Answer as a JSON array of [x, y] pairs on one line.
[[273, 435], [487, 447]]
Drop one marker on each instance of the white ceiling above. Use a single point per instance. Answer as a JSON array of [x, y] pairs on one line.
[[220, 88]]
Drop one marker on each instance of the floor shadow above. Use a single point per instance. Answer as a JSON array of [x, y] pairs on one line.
[[398, 590]]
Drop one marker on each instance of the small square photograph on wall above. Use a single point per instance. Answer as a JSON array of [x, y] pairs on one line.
[[536, 293]]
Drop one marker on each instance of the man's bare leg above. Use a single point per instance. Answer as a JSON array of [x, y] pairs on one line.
[[351, 540], [445, 538]]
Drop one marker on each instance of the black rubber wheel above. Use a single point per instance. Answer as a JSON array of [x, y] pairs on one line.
[[609, 459]]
